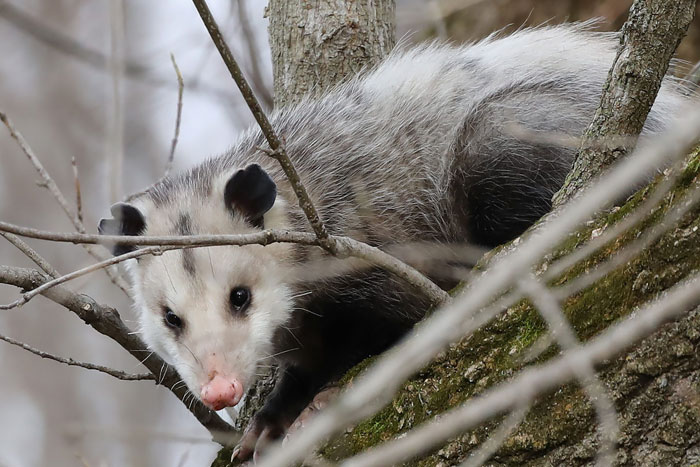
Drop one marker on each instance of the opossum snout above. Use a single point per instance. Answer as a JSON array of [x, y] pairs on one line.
[[221, 392]]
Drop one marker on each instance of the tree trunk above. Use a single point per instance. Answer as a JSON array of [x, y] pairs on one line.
[[318, 43]]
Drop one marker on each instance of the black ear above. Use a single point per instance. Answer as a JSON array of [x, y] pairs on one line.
[[250, 192], [127, 221]]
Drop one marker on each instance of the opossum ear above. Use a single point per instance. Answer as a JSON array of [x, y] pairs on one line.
[[127, 221], [250, 192]]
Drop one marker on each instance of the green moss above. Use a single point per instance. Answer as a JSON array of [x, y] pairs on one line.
[[493, 353]]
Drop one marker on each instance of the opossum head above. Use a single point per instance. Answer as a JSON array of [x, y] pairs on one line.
[[211, 312]]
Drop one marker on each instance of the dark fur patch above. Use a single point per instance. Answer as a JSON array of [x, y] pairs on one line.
[[184, 227]]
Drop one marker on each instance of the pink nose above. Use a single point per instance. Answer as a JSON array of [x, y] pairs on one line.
[[221, 392]]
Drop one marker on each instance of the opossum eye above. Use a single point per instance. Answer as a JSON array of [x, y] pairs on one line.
[[172, 319], [240, 298]]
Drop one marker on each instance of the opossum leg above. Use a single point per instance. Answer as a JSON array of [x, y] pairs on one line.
[[293, 392], [319, 402]]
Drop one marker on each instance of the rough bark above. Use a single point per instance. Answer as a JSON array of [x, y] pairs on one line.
[[318, 43], [656, 386], [649, 39]]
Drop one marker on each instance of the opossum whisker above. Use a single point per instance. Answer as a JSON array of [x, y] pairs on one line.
[[308, 311], [161, 373], [211, 263], [278, 353], [295, 337], [302, 294], [147, 356], [177, 385], [193, 355], [168, 274]]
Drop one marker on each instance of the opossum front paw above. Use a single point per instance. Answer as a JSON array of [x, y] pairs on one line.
[[319, 402], [261, 431]]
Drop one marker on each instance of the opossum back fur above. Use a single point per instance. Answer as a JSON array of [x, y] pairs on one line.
[[438, 143], [430, 146]]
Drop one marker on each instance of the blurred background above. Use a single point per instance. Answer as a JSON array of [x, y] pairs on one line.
[[93, 80]]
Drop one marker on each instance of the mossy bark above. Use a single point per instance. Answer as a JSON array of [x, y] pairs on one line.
[[655, 386]]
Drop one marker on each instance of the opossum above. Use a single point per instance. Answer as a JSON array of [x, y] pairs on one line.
[[438, 143]]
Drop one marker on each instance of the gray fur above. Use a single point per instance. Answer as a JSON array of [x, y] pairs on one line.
[[438, 143], [400, 153]]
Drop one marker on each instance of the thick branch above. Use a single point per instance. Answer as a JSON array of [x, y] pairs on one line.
[[649, 39]]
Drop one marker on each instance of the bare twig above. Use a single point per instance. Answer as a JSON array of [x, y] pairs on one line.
[[345, 247], [31, 254], [46, 179], [115, 148], [278, 150], [531, 382], [81, 272], [89, 366], [78, 196], [180, 87], [48, 182]]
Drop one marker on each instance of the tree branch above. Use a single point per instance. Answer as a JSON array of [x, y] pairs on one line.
[[180, 87], [649, 39], [31, 254], [89, 366], [534, 381], [345, 247], [50, 185]]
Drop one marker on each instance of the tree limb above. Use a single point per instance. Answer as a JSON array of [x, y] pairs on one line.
[[649, 39]]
